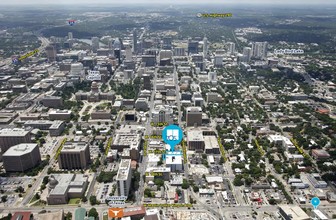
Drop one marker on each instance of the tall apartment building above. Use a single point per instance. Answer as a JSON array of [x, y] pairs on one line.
[[128, 52], [162, 114], [247, 54], [179, 51], [167, 43], [231, 47], [165, 54], [95, 44], [194, 116], [205, 46], [74, 155], [21, 157], [147, 81], [149, 60], [124, 177], [135, 41], [51, 53], [218, 60], [212, 76], [259, 50], [70, 35], [192, 46], [77, 69], [11, 137]]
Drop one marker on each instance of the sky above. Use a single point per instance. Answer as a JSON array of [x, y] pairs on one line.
[[304, 2]]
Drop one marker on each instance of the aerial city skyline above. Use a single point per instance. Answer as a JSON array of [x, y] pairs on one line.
[[136, 111]]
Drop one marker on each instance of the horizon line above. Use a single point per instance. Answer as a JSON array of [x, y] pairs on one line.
[[165, 3]]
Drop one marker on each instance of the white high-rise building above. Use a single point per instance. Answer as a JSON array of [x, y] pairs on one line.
[[259, 50], [247, 54], [128, 53], [212, 76], [128, 74], [110, 43], [218, 61], [77, 69], [231, 47], [162, 114], [117, 43], [135, 41], [205, 46], [179, 51], [165, 54], [124, 177], [95, 44], [70, 35]]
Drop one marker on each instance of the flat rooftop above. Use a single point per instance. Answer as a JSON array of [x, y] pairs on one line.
[[51, 98], [158, 169], [60, 112], [194, 109], [68, 182], [74, 146], [127, 139], [14, 132], [195, 135], [170, 159], [210, 142], [295, 211], [124, 169], [20, 149]]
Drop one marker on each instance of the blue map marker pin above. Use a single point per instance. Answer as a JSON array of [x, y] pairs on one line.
[[172, 135], [315, 202]]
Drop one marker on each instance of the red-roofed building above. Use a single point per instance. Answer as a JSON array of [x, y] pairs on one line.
[[320, 154], [135, 212], [176, 198], [22, 216], [323, 111], [133, 165]]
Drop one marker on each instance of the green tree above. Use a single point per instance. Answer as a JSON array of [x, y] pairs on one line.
[[158, 181], [84, 199], [185, 184], [45, 180], [43, 187], [37, 196], [19, 189], [93, 200], [238, 181], [68, 216], [93, 213], [4, 198], [195, 188], [148, 193], [272, 201]]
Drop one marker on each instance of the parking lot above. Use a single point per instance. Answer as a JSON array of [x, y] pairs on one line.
[[104, 191], [227, 198], [9, 185]]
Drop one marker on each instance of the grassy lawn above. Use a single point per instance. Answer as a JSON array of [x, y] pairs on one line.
[[33, 199], [105, 217], [74, 201], [40, 203]]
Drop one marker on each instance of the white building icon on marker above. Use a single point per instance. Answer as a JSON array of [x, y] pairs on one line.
[[172, 134]]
